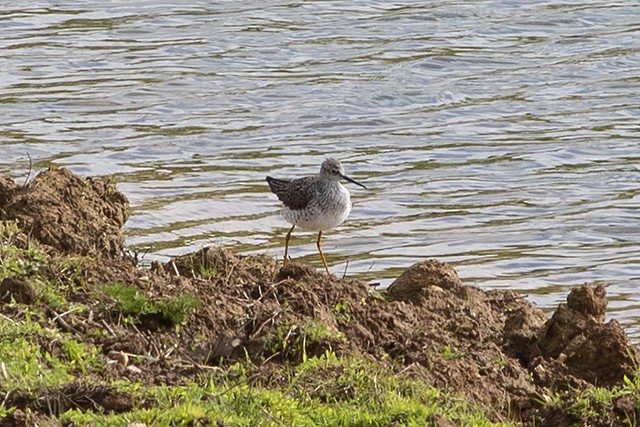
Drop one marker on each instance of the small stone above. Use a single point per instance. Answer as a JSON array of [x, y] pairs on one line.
[[418, 280], [122, 358], [541, 374], [134, 369]]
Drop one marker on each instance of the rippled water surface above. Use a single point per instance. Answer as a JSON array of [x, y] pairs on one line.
[[500, 136]]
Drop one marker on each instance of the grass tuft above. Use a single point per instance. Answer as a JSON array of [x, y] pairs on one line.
[[130, 302]]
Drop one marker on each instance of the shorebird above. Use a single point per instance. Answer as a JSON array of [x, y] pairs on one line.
[[314, 203]]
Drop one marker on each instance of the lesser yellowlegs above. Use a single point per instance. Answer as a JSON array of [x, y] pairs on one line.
[[314, 203]]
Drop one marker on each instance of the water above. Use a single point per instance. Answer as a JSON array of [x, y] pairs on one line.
[[500, 136]]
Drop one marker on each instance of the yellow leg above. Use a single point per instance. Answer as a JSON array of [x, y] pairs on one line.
[[286, 247], [324, 261]]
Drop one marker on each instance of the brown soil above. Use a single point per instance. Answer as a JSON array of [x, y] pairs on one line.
[[17, 289], [68, 213], [493, 348]]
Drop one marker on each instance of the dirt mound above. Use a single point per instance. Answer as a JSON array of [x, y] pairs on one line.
[[491, 347], [455, 331], [67, 213], [575, 341], [419, 282]]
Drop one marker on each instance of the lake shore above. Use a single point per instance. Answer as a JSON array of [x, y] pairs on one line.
[[216, 338]]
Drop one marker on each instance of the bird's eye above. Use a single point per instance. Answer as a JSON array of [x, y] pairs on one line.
[[335, 171]]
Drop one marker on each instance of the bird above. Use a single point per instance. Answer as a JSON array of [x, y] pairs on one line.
[[314, 203]]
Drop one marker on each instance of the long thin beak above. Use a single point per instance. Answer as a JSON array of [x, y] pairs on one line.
[[353, 181]]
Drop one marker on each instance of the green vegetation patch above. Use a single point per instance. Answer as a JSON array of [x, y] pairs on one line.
[[323, 391], [603, 406], [37, 360], [30, 358], [135, 306], [299, 342], [16, 257]]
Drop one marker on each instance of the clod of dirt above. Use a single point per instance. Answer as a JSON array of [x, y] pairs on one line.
[[215, 262], [521, 330], [449, 334], [7, 187], [296, 271], [204, 263], [567, 323], [18, 290], [576, 341], [588, 300], [602, 355], [68, 213], [78, 394], [424, 279]]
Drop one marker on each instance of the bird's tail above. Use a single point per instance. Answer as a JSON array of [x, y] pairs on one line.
[[277, 185]]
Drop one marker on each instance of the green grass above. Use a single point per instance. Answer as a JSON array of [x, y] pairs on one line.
[[299, 342], [51, 277], [449, 353], [14, 260], [35, 354], [36, 357], [323, 391], [591, 402], [134, 305], [203, 266]]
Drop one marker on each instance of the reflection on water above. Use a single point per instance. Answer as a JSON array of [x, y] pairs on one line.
[[498, 136]]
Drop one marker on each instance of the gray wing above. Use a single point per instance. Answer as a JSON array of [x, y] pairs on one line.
[[294, 194]]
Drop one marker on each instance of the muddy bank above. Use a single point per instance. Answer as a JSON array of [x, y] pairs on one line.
[[493, 348]]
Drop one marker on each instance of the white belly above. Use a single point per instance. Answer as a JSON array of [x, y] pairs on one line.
[[321, 216]]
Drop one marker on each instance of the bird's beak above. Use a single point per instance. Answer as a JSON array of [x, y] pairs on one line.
[[353, 181]]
